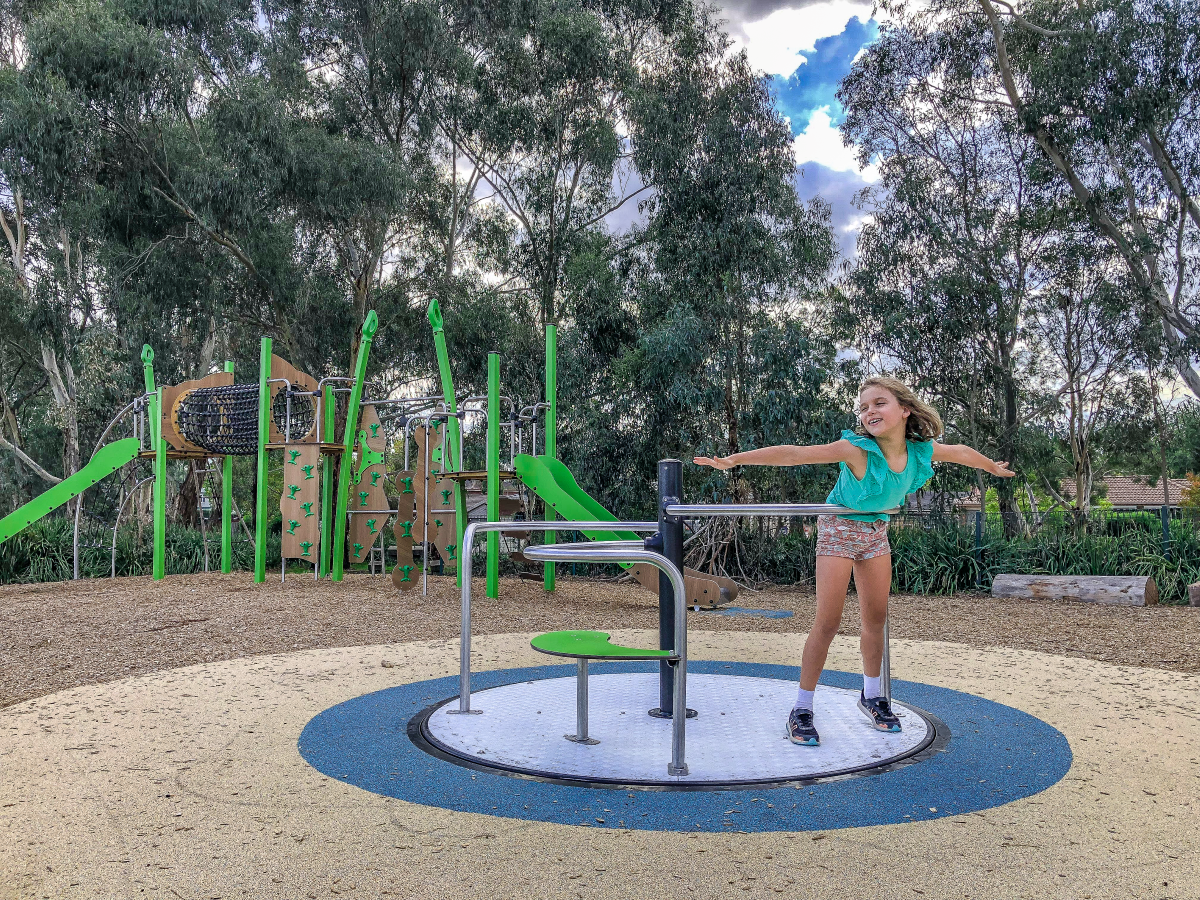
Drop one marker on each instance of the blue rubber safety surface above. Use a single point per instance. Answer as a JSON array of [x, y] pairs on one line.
[[743, 611], [996, 755]]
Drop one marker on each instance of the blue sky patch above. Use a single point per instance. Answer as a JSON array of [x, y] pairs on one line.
[[814, 84]]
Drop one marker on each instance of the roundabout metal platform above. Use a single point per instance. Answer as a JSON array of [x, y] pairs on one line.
[[737, 740]]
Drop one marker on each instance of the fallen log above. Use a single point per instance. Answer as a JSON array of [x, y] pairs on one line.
[[1113, 590]]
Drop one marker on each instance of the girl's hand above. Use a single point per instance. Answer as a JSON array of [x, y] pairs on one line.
[[1001, 469], [721, 462]]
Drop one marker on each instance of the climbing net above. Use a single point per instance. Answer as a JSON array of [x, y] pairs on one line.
[[224, 419]]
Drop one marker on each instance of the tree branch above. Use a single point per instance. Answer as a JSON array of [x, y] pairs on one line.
[[24, 457]]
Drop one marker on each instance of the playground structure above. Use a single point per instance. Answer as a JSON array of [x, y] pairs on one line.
[[332, 514], [215, 418]]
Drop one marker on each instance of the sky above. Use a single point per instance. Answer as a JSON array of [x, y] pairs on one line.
[[807, 47]]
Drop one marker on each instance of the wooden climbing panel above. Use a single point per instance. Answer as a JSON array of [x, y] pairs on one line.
[[412, 485], [300, 381], [414, 524], [368, 503], [300, 502]]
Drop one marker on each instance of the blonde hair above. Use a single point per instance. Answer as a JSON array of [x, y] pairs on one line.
[[923, 424]]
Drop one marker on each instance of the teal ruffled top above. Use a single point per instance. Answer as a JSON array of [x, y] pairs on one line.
[[880, 487]]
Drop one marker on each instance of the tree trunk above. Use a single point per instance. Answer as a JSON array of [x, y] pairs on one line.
[[188, 499], [1010, 512], [1112, 590], [61, 379]]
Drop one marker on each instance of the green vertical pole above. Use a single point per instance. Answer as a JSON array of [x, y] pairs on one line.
[[551, 430], [370, 325], [264, 433], [329, 407], [443, 358], [160, 492], [227, 503], [148, 376], [450, 460], [493, 473], [154, 420]]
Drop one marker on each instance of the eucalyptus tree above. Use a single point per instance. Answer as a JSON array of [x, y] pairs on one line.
[[1093, 339], [949, 264], [1108, 91], [725, 354], [48, 299], [549, 110]]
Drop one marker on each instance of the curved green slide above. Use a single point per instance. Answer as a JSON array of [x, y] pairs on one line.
[[554, 483], [107, 460]]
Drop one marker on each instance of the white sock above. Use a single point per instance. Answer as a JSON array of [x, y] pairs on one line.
[[804, 699], [871, 687]]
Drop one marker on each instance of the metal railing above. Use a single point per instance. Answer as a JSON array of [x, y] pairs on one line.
[[788, 510], [635, 552], [464, 676]]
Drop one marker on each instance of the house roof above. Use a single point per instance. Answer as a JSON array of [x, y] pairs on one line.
[[1128, 490], [1122, 491]]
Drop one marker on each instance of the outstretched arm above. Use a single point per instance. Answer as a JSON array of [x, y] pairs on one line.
[[968, 456], [790, 455]]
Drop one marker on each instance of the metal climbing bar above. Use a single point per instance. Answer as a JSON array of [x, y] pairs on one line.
[[789, 510]]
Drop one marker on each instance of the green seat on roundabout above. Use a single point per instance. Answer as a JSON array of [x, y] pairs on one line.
[[582, 646], [591, 645]]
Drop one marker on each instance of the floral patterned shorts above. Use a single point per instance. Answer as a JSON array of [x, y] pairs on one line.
[[851, 539]]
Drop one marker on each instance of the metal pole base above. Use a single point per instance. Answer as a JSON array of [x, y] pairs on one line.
[[673, 769], [659, 714], [574, 738], [464, 712]]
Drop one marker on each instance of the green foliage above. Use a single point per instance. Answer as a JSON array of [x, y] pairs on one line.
[[44, 552], [933, 555]]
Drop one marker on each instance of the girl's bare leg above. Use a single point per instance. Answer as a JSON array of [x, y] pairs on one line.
[[833, 577], [873, 582]]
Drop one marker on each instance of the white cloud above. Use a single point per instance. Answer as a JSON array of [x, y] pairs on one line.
[[776, 44], [821, 142]]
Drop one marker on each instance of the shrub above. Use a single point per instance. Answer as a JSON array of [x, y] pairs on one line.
[[44, 552]]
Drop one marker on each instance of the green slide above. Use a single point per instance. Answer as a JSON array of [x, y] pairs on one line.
[[554, 483], [107, 460]]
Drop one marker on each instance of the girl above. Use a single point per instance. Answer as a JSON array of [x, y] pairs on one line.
[[887, 456]]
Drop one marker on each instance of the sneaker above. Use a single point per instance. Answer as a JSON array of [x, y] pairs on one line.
[[879, 711], [800, 728]]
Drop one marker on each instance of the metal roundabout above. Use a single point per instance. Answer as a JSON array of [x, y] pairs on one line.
[[618, 728]]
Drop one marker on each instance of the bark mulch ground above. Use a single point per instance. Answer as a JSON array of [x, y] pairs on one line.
[[61, 635]]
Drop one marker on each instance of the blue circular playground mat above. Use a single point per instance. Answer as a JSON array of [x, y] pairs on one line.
[[995, 755]]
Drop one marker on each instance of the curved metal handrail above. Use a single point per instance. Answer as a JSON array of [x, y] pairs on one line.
[[117, 523], [465, 553], [135, 404], [632, 552]]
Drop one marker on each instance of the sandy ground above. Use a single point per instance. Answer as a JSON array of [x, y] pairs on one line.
[[148, 748], [188, 784], [61, 635]]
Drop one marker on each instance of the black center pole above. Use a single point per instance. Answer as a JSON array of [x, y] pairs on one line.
[[668, 542]]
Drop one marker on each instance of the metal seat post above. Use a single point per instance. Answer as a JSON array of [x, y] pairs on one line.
[[581, 705]]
